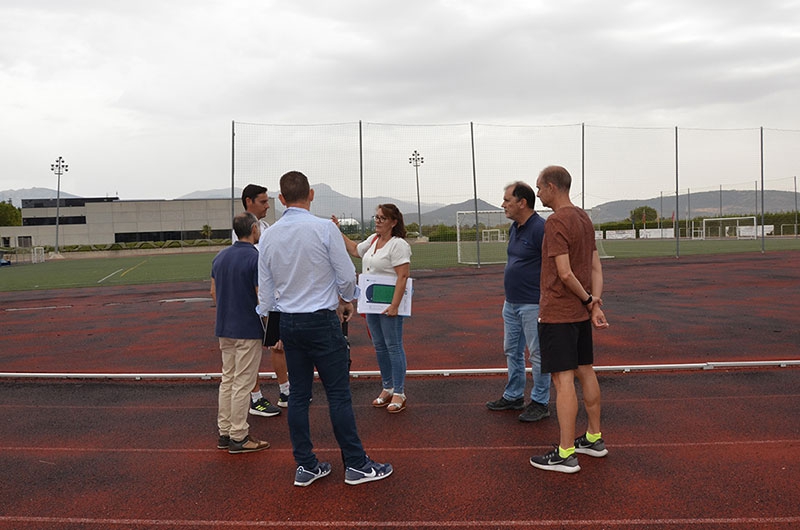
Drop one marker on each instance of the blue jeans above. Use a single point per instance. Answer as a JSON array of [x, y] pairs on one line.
[[316, 340], [387, 337], [520, 322]]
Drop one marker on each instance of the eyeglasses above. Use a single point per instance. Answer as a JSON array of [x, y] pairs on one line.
[[380, 218]]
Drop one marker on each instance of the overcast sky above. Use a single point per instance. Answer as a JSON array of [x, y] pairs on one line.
[[139, 96]]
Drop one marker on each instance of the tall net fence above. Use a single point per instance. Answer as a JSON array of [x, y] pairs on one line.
[[432, 172]]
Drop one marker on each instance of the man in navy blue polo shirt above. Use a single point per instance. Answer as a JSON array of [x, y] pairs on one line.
[[234, 277], [521, 306]]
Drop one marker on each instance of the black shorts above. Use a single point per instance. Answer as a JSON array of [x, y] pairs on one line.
[[272, 332], [565, 346]]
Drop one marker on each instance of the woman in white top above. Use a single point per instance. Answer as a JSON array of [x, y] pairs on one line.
[[386, 252]]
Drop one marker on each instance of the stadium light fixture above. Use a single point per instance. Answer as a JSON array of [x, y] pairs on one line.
[[59, 168], [415, 160]]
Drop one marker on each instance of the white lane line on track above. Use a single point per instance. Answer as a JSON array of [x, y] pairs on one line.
[[746, 522], [39, 308]]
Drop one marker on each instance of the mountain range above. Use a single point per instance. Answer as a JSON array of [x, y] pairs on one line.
[[328, 202], [728, 203]]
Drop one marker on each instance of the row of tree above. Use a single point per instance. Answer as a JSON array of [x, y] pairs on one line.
[[10, 215]]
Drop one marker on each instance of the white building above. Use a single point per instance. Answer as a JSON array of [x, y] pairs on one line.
[[108, 220]]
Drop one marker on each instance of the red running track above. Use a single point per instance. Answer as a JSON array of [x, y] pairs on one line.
[[688, 449], [692, 310], [712, 449]]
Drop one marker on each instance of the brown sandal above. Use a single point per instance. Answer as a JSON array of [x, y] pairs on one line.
[[397, 406], [383, 400]]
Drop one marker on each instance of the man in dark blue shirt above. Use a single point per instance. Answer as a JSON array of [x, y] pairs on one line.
[[234, 277], [521, 306]]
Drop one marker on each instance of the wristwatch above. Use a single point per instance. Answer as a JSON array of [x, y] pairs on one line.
[[588, 300]]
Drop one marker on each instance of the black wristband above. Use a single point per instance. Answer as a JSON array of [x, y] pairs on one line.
[[588, 300]]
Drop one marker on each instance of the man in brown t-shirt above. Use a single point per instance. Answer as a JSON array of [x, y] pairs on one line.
[[571, 284]]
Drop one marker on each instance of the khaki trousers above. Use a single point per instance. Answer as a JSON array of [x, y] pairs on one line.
[[240, 361]]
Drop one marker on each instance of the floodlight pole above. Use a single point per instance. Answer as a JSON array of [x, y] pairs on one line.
[[59, 168], [415, 160]]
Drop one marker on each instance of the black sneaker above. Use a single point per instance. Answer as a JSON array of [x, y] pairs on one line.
[[534, 412], [504, 404], [247, 445], [283, 400], [224, 441], [263, 407], [585, 447], [552, 461]]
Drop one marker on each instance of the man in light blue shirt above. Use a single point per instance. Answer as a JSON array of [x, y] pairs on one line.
[[305, 273]]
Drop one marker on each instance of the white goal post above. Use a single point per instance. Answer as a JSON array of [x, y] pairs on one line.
[[729, 228]]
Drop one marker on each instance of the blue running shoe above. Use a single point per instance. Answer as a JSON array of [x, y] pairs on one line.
[[367, 473], [304, 477]]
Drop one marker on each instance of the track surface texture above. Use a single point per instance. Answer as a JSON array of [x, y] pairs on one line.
[[701, 449]]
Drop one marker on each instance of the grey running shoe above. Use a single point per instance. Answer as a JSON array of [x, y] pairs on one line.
[[585, 447], [534, 412], [263, 407], [504, 404], [304, 477], [367, 473], [552, 461], [283, 400], [224, 441]]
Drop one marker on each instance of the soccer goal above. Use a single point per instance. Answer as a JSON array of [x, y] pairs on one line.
[[493, 235], [482, 236], [37, 256], [729, 228], [492, 226]]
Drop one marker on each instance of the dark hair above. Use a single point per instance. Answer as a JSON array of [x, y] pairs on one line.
[[294, 187], [251, 191], [557, 176], [243, 224], [393, 212], [523, 191]]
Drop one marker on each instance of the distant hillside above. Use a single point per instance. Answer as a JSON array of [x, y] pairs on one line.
[[16, 196], [329, 202], [703, 204], [221, 193], [447, 214]]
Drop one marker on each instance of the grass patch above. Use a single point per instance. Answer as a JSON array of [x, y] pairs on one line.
[[93, 272], [159, 268]]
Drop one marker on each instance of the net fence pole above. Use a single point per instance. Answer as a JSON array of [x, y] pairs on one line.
[[583, 166], [361, 176], [677, 203], [763, 230], [233, 168], [475, 191]]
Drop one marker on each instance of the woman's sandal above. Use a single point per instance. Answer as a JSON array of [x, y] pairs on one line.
[[383, 400], [398, 404]]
